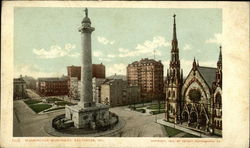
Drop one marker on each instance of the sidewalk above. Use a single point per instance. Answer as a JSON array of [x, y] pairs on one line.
[[162, 122]]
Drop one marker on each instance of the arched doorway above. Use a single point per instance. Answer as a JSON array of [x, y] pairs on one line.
[[184, 116], [193, 120], [203, 121], [193, 117]]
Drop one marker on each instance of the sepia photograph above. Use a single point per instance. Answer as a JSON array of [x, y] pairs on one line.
[[85, 73], [90, 72]]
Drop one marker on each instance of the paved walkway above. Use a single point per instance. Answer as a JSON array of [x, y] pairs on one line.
[[27, 123], [162, 122], [139, 124]]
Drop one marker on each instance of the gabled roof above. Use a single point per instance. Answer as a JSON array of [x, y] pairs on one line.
[[208, 74]]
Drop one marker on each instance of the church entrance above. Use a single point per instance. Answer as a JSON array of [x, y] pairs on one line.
[[203, 121], [184, 116], [193, 119]]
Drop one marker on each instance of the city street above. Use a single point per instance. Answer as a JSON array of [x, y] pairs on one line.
[[29, 124]]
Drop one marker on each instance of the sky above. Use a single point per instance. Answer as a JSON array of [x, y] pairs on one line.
[[46, 40]]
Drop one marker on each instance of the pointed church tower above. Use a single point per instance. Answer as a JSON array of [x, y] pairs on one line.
[[174, 82], [219, 71]]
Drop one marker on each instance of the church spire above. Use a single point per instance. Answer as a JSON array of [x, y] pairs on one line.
[[219, 63], [174, 40], [174, 29], [194, 64], [220, 56]]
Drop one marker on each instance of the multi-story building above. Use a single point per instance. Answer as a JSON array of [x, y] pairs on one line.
[[30, 82], [96, 85], [98, 71], [74, 71], [53, 86], [148, 74], [19, 91], [116, 92]]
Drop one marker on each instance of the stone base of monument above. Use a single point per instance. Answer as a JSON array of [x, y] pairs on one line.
[[90, 117], [63, 127], [94, 121]]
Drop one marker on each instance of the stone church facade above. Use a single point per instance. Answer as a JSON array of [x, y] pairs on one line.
[[194, 102]]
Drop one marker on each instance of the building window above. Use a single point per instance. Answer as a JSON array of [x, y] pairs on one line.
[[194, 95], [218, 101]]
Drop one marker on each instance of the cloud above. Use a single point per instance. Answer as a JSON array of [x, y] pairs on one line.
[[56, 51], [123, 50], [111, 56], [105, 41], [187, 47], [104, 59], [146, 48], [119, 69], [35, 71], [97, 54], [217, 38]]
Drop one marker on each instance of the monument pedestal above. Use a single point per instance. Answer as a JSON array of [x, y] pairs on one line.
[[89, 117]]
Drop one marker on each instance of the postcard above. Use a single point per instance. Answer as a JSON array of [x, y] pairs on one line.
[[125, 74]]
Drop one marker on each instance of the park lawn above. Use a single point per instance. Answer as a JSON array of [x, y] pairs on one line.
[[30, 102], [52, 100], [63, 103], [187, 135], [54, 109], [157, 111], [39, 107], [156, 106], [172, 131], [141, 110]]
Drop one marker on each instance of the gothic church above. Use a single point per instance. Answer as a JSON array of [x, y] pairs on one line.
[[194, 102]]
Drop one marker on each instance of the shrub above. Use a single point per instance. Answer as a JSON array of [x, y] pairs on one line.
[[63, 103]]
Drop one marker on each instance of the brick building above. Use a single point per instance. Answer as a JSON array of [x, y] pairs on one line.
[[74, 71], [53, 86], [98, 71], [148, 74]]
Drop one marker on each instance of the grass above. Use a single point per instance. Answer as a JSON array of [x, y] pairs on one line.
[[157, 112], [54, 109], [141, 110], [63, 103], [156, 106], [172, 131], [39, 107], [187, 135], [52, 100], [30, 102]]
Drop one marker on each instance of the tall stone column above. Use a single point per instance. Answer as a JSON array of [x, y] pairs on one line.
[[86, 98]]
